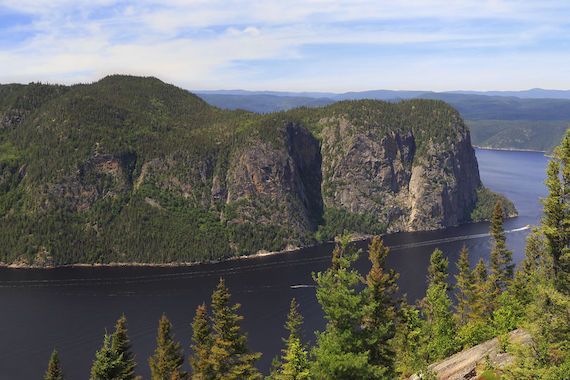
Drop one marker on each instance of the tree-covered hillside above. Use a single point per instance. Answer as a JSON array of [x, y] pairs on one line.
[[131, 169], [503, 122]]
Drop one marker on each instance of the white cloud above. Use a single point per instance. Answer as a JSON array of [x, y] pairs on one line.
[[429, 44]]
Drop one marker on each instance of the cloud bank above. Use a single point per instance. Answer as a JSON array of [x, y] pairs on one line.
[[290, 45]]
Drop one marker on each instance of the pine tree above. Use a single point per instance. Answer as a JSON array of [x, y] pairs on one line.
[[201, 345], [439, 328], [464, 284], [533, 269], [556, 220], [501, 259], [121, 344], [53, 371], [229, 356], [108, 364], [167, 360], [294, 363], [437, 270], [380, 310], [339, 352], [481, 305]]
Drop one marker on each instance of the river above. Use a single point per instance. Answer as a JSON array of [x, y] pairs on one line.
[[70, 308]]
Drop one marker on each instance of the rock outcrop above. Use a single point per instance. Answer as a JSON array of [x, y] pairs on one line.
[[466, 365]]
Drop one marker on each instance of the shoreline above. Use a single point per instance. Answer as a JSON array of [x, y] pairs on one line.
[[258, 254], [510, 149]]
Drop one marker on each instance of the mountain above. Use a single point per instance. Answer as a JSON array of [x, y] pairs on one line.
[[533, 93], [504, 122], [131, 169], [263, 103]]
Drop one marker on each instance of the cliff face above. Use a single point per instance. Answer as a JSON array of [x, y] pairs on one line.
[[132, 169], [382, 174]]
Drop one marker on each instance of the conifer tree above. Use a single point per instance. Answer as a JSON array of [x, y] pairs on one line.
[[294, 363], [380, 310], [481, 305], [556, 220], [339, 352], [53, 371], [121, 344], [229, 357], [533, 269], [409, 341], [436, 308], [167, 360], [437, 269], [201, 345], [500, 260], [108, 364], [464, 287]]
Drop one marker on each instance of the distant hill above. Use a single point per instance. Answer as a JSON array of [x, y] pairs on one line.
[[131, 169], [497, 121]]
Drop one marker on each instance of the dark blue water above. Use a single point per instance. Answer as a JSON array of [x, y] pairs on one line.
[[70, 308]]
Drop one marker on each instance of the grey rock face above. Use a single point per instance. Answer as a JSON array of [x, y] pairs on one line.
[[370, 173]]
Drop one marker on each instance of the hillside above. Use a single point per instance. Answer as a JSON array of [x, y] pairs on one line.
[[131, 169], [495, 119]]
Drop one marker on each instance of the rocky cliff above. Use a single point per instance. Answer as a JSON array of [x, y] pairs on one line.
[[131, 169]]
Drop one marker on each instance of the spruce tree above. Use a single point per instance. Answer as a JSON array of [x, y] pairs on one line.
[[108, 364], [501, 259], [380, 310], [201, 345], [121, 344], [53, 371], [533, 269], [294, 363], [436, 308], [481, 305], [464, 285], [339, 352], [439, 328], [556, 220], [437, 269], [229, 356], [167, 360]]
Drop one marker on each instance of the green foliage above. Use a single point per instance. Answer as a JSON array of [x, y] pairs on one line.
[[464, 284], [201, 345], [121, 344], [437, 269], [439, 329], [108, 364], [166, 362], [356, 343], [508, 315], [409, 340], [556, 218], [229, 356], [380, 310], [53, 371], [501, 265], [338, 221], [475, 331], [486, 201]]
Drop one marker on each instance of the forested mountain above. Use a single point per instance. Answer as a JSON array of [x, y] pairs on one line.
[[495, 119], [131, 169]]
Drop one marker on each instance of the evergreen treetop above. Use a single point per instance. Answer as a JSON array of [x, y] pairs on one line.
[[54, 371]]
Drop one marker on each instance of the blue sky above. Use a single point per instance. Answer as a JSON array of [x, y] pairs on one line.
[[311, 45]]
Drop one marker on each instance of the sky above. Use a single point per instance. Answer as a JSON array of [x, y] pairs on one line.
[[291, 45]]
